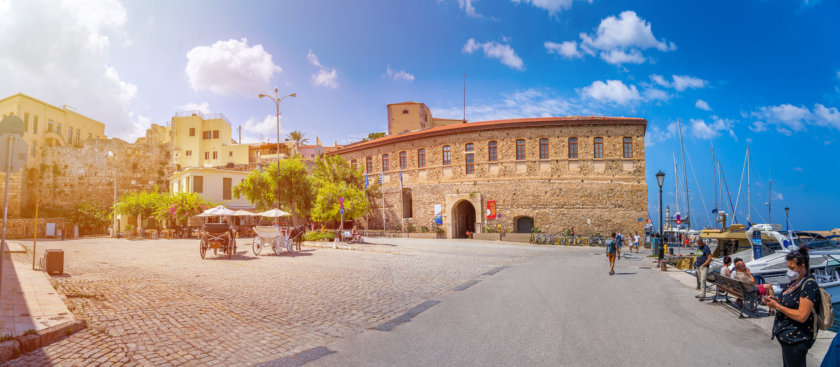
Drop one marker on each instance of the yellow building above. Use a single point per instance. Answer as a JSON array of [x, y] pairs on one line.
[[204, 140], [48, 125], [213, 183], [412, 116]]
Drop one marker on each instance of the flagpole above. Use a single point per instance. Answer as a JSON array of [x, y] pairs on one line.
[[402, 210], [382, 189]]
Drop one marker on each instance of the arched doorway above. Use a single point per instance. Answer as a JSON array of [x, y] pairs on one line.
[[524, 224], [463, 219]]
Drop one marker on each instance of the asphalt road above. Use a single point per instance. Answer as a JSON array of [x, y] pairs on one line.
[[563, 309]]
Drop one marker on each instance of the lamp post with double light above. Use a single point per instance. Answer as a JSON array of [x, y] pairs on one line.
[[660, 179], [277, 99]]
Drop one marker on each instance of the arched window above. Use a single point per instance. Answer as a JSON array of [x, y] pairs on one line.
[[491, 151], [446, 155]]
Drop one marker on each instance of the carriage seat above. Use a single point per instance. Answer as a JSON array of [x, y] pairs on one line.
[[216, 228]]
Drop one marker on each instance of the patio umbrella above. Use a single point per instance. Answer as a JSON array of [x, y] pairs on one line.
[[244, 213], [217, 211], [273, 213]]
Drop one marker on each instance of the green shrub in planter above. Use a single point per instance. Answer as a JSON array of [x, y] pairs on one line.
[[424, 229]]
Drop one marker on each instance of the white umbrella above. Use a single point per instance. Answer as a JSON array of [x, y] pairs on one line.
[[217, 211], [273, 213], [244, 213]]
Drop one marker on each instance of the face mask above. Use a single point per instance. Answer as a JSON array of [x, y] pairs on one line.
[[792, 275]]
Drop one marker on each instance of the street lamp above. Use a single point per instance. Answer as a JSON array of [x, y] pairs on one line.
[[787, 219], [277, 101], [660, 179], [114, 227]]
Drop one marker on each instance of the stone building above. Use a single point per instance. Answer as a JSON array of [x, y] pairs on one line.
[[585, 174]]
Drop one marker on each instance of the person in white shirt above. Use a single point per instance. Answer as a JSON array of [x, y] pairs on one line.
[[636, 240]]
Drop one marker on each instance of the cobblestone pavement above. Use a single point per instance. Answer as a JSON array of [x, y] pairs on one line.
[[156, 302]]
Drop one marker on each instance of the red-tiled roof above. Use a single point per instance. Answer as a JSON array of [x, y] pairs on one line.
[[491, 125]]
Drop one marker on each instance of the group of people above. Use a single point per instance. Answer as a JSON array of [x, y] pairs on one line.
[[793, 327]]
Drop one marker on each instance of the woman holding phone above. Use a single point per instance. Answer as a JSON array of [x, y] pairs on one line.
[[794, 323]]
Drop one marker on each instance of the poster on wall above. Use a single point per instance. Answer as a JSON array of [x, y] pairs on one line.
[[491, 209], [438, 214]]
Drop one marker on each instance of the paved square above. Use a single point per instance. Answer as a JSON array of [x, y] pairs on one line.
[[156, 302]]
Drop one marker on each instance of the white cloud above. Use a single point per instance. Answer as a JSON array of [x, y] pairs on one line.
[[620, 40], [552, 6], [59, 52], [256, 130], [778, 196], [203, 107], [797, 169], [503, 52], [702, 130], [703, 105], [680, 82], [613, 91], [468, 8], [399, 74], [232, 66], [325, 77], [566, 49], [827, 116], [520, 104], [787, 117], [653, 94], [758, 126], [655, 135]]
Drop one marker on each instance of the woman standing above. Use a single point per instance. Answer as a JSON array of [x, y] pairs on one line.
[[794, 324]]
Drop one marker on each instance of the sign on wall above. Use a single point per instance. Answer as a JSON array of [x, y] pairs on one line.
[[491, 209], [438, 214]]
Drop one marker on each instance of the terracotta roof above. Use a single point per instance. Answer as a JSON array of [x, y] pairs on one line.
[[492, 125]]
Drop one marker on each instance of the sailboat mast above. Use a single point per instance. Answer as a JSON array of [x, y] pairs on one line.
[[676, 183], [749, 196], [685, 176], [714, 174], [770, 202]]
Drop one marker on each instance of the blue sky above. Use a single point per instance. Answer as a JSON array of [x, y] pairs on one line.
[[763, 73]]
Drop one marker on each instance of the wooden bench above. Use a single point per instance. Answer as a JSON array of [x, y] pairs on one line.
[[726, 286]]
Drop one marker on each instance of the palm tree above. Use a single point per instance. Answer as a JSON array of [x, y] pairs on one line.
[[297, 137]]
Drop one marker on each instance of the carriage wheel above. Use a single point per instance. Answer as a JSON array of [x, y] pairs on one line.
[[202, 248], [290, 245], [256, 246], [277, 246]]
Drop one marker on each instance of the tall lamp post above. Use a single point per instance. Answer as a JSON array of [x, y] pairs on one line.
[[660, 179], [277, 99], [787, 219], [114, 228]]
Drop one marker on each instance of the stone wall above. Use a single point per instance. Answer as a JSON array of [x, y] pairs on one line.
[[68, 176], [25, 227], [586, 194]]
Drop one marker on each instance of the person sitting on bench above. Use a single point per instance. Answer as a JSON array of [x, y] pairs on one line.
[[356, 237]]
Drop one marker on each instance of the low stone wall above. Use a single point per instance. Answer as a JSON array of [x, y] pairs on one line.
[[25, 227], [517, 237], [487, 236]]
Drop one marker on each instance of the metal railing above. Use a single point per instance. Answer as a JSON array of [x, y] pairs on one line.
[[204, 116]]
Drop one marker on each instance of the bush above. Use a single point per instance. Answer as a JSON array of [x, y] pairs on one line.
[[318, 236], [410, 228], [489, 229], [536, 230], [424, 229], [440, 231]]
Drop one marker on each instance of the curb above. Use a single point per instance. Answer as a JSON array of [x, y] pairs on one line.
[[12, 349]]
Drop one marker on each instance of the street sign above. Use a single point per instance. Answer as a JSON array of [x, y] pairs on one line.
[[640, 219], [12, 125], [341, 199], [678, 221], [757, 250], [342, 211], [19, 152], [341, 205]]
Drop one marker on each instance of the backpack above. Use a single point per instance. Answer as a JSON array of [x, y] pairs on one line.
[[823, 311]]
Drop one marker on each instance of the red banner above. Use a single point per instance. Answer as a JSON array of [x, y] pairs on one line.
[[491, 209]]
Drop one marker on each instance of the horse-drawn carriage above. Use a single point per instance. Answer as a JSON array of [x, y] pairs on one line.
[[276, 237], [219, 237]]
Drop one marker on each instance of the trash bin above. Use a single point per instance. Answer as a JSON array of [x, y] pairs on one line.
[[54, 261]]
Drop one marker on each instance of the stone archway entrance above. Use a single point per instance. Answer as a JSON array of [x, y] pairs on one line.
[[463, 219], [524, 224]]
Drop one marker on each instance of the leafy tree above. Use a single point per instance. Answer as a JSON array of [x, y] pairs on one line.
[[297, 137], [91, 217], [181, 207], [373, 136], [334, 178], [143, 203], [260, 188]]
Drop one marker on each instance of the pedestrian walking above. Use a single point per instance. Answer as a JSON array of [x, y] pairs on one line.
[[612, 249], [636, 240], [619, 240], [794, 323], [704, 257]]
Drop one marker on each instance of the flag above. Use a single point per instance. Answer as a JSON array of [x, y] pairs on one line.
[[714, 210], [380, 178], [366, 182], [401, 184]]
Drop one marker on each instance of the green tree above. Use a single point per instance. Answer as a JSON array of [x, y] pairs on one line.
[[143, 203], [334, 178], [297, 137], [181, 207], [260, 188], [373, 136], [91, 217]]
